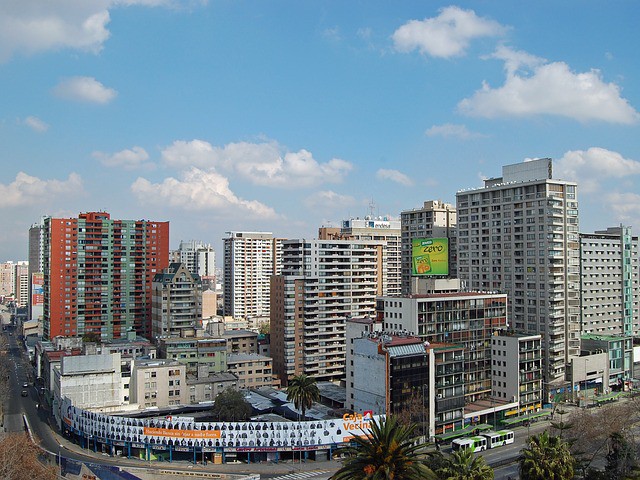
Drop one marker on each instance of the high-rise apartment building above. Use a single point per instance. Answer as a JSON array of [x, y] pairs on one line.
[[98, 274], [519, 234], [198, 257], [177, 301], [250, 259], [435, 219], [384, 229], [14, 281], [36, 267], [323, 283], [610, 282]]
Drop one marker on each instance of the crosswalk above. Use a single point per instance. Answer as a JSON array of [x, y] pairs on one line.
[[313, 474]]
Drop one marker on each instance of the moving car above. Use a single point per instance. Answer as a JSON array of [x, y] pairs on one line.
[[25, 393]]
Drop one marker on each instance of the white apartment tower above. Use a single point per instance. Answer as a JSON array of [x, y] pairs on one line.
[[435, 219], [249, 262], [610, 282], [323, 283], [385, 229], [519, 234], [198, 257]]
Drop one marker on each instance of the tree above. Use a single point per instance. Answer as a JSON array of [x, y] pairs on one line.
[[386, 452], [20, 459], [464, 465], [546, 458], [231, 406], [413, 411], [303, 391], [621, 459]]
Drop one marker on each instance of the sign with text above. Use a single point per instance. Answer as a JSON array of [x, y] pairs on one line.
[[429, 256]]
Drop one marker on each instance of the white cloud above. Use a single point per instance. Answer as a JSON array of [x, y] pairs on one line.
[[265, 164], [332, 34], [534, 87], [33, 26], [128, 159], [394, 176], [625, 207], [35, 124], [447, 35], [329, 201], [84, 89], [200, 190], [450, 130], [590, 167], [27, 190]]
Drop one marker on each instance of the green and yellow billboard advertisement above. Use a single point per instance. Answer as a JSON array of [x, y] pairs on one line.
[[430, 256]]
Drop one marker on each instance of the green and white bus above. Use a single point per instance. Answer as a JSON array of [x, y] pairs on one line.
[[475, 444], [499, 438]]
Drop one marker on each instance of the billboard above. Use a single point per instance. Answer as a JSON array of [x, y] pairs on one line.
[[429, 256]]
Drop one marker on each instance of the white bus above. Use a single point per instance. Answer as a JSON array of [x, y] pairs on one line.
[[475, 444], [499, 438]]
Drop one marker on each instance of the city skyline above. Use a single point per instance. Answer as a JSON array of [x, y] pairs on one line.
[[252, 116]]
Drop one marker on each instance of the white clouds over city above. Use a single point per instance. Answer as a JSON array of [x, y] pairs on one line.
[[200, 190], [267, 164], [84, 89], [27, 190], [449, 130], [328, 201], [536, 87], [447, 35]]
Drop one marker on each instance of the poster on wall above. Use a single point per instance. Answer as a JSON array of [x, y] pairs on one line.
[[429, 256], [181, 433]]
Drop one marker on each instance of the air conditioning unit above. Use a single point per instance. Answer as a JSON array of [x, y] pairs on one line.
[[439, 395]]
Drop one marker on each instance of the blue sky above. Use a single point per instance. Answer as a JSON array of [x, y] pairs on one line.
[[283, 116]]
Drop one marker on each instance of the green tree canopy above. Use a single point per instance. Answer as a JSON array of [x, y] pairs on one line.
[[386, 453], [303, 391], [546, 458], [464, 465], [231, 406]]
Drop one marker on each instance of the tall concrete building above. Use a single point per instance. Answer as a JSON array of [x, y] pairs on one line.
[[250, 258], [435, 219], [519, 234], [14, 281], [198, 257], [610, 282], [98, 274], [36, 268], [384, 229], [323, 283], [177, 301]]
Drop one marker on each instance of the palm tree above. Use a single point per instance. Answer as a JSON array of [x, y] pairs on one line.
[[303, 391], [546, 458], [464, 465], [386, 452]]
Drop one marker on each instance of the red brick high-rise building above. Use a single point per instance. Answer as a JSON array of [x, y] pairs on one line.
[[98, 274]]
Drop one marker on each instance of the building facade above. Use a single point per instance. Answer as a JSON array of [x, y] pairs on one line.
[[198, 257], [517, 371], [519, 234], [323, 283], [468, 319], [610, 282], [98, 274], [250, 259], [435, 219], [176, 301], [158, 383]]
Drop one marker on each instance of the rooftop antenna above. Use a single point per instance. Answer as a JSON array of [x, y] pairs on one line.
[[372, 207]]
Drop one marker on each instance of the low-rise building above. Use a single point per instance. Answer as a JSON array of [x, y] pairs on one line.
[[252, 370], [158, 383], [241, 341], [206, 389], [202, 356]]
